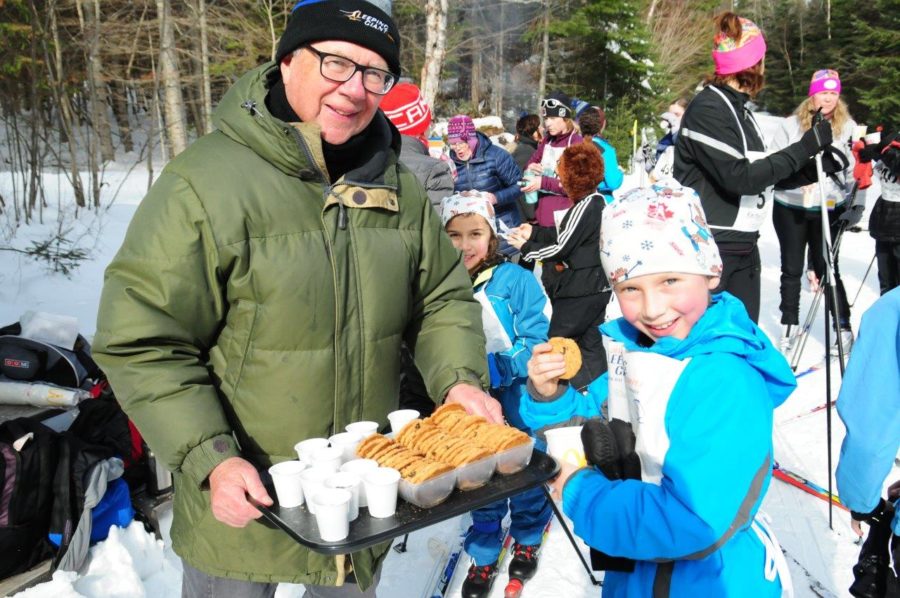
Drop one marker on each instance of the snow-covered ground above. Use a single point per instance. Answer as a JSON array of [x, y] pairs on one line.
[[132, 563]]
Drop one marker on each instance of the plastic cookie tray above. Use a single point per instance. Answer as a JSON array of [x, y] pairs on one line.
[[367, 531]]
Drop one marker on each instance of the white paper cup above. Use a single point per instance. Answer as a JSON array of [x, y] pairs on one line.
[[360, 467], [400, 418], [328, 458], [381, 491], [564, 444], [364, 429], [313, 482], [306, 448], [352, 483], [332, 505], [873, 137], [286, 477], [347, 442]]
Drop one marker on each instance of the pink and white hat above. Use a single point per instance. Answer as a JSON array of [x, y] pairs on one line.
[[457, 204], [824, 80], [657, 229], [733, 56]]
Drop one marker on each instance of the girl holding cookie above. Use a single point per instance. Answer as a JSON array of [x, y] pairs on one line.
[[513, 306], [693, 383]]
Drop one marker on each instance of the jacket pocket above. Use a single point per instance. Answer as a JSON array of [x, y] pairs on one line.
[[229, 354]]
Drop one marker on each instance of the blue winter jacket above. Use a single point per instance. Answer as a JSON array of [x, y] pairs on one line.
[[612, 174], [869, 406], [518, 301], [491, 168], [702, 414]]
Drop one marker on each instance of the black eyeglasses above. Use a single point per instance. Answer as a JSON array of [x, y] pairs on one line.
[[340, 70]]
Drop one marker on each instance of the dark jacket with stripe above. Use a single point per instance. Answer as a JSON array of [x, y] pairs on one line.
[[571, 257], [709, 158]]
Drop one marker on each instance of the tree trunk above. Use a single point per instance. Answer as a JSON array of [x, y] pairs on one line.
[[120, 112], [173, 101], [205, 85], [435, 48], [499, 66], [545, 52], [96, 87], [475, 79]]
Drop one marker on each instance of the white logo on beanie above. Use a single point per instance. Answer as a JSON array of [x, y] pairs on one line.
[[367, 20], [830, 84]]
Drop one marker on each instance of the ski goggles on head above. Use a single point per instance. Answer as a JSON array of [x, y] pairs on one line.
[[554, 107]]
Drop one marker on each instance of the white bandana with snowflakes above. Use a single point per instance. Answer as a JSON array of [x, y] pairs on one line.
[[657, 229], [472, 202]]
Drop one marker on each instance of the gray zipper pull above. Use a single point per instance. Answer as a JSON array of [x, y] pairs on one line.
[[250, 106]]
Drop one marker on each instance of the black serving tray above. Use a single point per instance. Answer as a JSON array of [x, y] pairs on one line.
[[367, 531]]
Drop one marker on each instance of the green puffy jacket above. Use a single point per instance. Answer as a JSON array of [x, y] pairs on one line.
[[239, 317]]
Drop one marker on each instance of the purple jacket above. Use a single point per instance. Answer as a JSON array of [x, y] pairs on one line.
[[552, 195]]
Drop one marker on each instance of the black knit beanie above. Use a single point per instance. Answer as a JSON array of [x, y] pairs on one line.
[[355, 21]]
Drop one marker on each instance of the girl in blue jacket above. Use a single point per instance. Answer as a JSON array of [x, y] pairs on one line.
[[514, 320], [697, 382]]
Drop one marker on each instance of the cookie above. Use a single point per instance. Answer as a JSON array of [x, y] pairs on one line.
[[570, 352]]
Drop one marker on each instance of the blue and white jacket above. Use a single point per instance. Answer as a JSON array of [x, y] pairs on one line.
[[492, 169], [869, 406], [701, 409], [517, 304]]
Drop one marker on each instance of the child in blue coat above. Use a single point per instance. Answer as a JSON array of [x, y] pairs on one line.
[[514, 321], [696, 381]]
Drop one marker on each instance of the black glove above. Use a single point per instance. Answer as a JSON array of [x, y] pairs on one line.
[[609, 446], [882, 512], [871, 152], [817, 138], [852, 215], [600, 448]]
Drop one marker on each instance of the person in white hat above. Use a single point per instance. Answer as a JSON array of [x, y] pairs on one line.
[[693, 383]]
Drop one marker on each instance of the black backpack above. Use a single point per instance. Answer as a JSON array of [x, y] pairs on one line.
[[29, 452], [28, 360]]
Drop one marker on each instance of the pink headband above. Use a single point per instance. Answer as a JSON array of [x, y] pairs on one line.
[[740, 59], [824, 80]]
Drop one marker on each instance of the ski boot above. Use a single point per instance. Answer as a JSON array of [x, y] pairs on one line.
[[521, 568], [479, 581]]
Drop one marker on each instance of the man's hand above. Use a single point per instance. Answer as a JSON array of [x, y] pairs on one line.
[[476, 402], [229, 484], [545, 368]]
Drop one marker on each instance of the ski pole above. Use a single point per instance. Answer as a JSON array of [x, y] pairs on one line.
[[562, 522], [829, 283], [863, 283]]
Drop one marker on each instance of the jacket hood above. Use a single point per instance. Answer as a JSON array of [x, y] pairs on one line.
[[724, 328], [243, 116]]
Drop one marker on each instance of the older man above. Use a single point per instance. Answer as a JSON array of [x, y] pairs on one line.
[[263, 290]]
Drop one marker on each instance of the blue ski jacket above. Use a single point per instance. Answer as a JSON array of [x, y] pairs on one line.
[[869, 406], [492, 169], [701, 409], [612, 174], [518, 301]]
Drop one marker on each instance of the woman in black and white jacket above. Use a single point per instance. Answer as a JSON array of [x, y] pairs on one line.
[[720, 154], [797, 213]]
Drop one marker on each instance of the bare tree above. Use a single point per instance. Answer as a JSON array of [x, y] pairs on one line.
[[170, 77], [435, 48]]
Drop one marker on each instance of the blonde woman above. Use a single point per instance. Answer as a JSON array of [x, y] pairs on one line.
[[797, 213]]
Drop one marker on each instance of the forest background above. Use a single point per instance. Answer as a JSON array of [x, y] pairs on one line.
[[85, 82]]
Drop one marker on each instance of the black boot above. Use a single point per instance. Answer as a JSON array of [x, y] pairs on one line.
[[524, 561], [479, 581]]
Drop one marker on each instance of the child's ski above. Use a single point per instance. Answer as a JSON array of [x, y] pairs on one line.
[[446, 563], [804, 484], [515, 586]]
